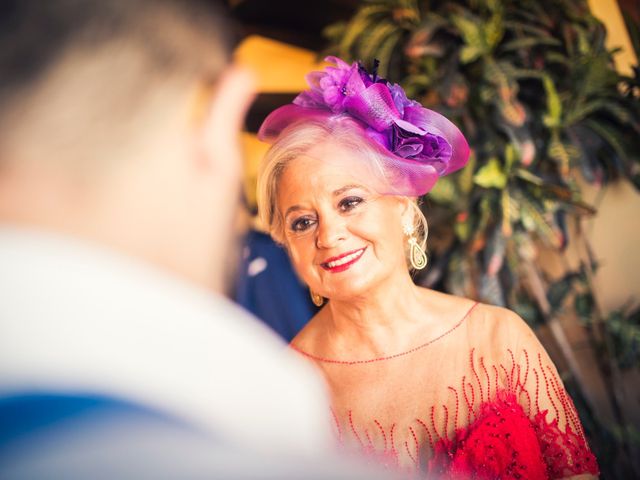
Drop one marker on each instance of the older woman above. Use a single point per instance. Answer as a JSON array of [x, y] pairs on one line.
[[422, 380]]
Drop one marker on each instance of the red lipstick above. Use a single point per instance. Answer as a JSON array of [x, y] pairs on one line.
[[342, 262]]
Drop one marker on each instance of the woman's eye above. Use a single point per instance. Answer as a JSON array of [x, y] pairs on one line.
[[301, 224], [349, 203]]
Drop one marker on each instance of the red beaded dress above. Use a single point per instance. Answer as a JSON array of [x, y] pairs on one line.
[[482, 400]]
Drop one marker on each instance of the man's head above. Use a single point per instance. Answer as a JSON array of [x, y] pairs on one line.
[[119, 123]]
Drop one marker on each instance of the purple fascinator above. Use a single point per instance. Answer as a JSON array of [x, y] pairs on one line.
[[417, 145]]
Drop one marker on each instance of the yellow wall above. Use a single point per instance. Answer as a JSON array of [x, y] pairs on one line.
[[608, 12], [280, 68], [615, 231]]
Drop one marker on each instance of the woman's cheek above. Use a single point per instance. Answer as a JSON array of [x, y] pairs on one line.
[[363, 224], [301, 257]]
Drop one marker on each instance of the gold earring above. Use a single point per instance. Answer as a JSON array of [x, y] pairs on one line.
[[317, 299], [417, 255]]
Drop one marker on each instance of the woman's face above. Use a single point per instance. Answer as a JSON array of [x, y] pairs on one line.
[[343, 238]]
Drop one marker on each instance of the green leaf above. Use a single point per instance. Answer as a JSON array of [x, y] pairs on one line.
[[530, 42], [533, 220], [493, 30], [419, 82], [584, 305], [610, 136], [519, 73], [462, 230], [586, 109], [493, 5], [529, 177], [473, 38], [486, 214], [594, 75], [386, 50], [521, 27], [335, 31], [559, 290], [553, 117], [617, 111], [371, 40], [359, 24], [584, 45], [465, 176], [528, 312], [469, 53], [533, 13], [560, 58], [491, 175], [509, 157], [444, 191], [561, 153]]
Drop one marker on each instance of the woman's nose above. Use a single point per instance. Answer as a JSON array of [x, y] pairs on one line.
[[330, 232]]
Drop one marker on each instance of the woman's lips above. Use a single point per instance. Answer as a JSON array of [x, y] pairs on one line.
[[342, 262]]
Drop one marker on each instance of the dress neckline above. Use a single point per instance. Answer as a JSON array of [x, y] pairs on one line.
[[389, 357]]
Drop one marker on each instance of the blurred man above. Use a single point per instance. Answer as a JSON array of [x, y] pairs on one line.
[[119, 173]]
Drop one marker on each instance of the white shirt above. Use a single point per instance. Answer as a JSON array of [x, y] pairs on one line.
[[78, 318]]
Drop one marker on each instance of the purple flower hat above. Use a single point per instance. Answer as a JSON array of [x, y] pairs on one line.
[[417, 145]]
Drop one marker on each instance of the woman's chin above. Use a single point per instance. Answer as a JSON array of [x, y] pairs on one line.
[[353, 283], [351, 289]]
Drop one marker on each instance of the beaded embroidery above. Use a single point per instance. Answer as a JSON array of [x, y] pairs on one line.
[[506, 435], [380, 359], [506, 417]]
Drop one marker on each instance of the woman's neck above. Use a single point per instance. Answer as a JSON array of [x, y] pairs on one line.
[[379, 322]]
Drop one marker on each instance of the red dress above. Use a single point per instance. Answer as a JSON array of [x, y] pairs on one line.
[[482, 400]]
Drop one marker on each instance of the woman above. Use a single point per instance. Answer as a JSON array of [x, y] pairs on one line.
[[424, 381]]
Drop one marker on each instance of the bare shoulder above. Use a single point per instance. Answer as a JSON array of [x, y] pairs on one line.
[[440, 301], [446, 308], [497, 324], [503, 327], [501, 315]]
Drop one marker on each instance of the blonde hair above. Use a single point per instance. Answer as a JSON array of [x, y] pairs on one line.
[[296, 140]]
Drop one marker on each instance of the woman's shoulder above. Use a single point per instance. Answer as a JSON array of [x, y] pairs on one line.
[[500, 317], [484, 322], [500, 331]]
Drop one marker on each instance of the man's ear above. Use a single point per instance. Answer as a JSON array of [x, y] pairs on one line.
[[219, 113]]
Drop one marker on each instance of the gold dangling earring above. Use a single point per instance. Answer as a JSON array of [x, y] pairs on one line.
[[317, 299], [417, 255]]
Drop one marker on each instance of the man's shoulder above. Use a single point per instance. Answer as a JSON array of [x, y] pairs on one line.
[[92, 320], [82, 436]]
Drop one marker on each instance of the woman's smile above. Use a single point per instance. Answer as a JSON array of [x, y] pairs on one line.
[[342, 262], [335, 227]]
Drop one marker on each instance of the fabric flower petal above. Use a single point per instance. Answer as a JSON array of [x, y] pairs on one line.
[[374, 106], [416, 145]]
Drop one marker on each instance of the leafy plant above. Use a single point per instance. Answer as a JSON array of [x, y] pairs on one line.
[[533, 87]]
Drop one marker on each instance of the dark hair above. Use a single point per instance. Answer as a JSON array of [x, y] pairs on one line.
[[36, 34]]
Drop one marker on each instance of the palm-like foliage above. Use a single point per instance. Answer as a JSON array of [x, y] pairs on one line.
[[533, 88]]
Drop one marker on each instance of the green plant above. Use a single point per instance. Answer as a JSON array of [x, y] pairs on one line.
[[533, 87]]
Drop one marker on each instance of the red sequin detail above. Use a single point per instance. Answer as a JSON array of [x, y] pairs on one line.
[[508, 438], [520, 422], [501, 443]]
